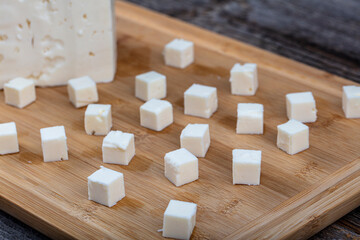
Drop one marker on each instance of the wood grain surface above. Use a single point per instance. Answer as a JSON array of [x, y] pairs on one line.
[[298, 195]]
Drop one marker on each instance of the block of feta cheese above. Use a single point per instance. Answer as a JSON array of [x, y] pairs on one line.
[[54, 41], [200, 101], [293, 137], [301, 106], [181, 167], [150, 85], [156, 114], [118, 148], [351, 101], [19, 92], [98, 119], [250, 118], [196, 139], [246, 166], [53, 143], [8, 138], [179, 53], [179, 219], [82, 91], [243, 79], [106, 186]]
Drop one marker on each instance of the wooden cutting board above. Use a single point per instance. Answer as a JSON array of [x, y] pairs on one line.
[[298, 196]]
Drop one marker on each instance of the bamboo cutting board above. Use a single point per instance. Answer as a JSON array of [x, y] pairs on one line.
[[298, 196]]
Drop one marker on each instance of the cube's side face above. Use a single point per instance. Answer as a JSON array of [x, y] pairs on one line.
[[157, 89], [141, 89], [148, 119], [114, 155], [243, 83], [171, 172], [116, 191], [173, 57], [27, 96], [303, 112], [246, 173], [249, 125], [9, 144], [188, 172], [54, 150], [197, 106], [87, 95], [195, 145], [187, 56], [98, 193], [165, 118], [283, 141], [351, 107], [72, 95], [130, 151], [98, 124], [299, 142], [177, 227], [12, 96]]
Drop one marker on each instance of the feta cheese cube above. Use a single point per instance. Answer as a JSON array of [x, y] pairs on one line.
[[246, 166], [351, 101], [196, 139], [250, 118], [181, 167], [243, 79], [301, 106], [150, 85], [82, 91], [98, 119], [156, 114], [53, 143], [8, 138], [293, 137], [179, 219], [19, 92], [200, 101], [118, 147], [106, 186], [179, 53]]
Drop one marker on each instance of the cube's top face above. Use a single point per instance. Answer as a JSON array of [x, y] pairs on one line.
[[195, 130], [180, 209], [81, 83], [118, 139], [246, 156], [7, 129], [98, 109], [247, 67], [156, 106], [179, 45], [199, 90], [52, 133], [292, 127], [105, 176], [301, 97], [19, 83], [150, 76], [250, 109], [352, 91], [180, 156]]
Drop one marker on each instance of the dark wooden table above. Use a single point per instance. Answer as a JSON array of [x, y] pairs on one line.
[[323, 34]]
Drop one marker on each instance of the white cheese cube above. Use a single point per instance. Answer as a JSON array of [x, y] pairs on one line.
[[8, 138], [53, 143], [250, 118], [179, 219], [293, 137], [301, 106], [156, 114], [106, 186], [82, 91], [54, 41], [200, 101], [179, 53], [150, 85], [118, 148], [98, 119], [196, 139], [19, 92], [246, 166], [351, 101], [181, 167], [243, 79]]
